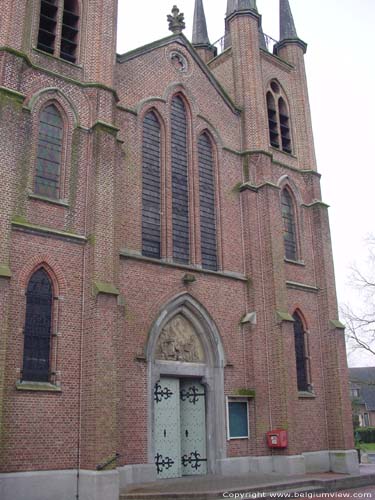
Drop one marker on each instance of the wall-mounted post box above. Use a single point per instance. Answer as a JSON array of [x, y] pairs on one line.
[[277, 439]]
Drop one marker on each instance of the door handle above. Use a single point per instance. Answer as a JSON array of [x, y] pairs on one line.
[[187, 433], [165, 433]]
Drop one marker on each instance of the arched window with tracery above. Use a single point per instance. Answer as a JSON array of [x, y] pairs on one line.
[[59, 28], [180, 191], [207, 203], [38, 325], [151, 192], [49, 153], [302, 358], [278, 118], [289, 221]]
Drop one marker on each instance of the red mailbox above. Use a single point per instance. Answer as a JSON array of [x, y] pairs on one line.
[[277, 439]]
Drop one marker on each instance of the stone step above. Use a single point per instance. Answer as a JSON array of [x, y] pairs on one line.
[[269, 492]]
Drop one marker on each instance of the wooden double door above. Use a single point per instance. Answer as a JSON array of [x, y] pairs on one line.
[[179, 427]]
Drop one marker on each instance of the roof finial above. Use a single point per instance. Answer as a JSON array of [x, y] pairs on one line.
[[176, 21], [200, 35], [287, 27]]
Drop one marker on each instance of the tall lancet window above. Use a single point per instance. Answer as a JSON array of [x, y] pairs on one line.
[[37, 332], [273, 125], [278, 118], [207, 203], [289, 220], [151, 203], [47, 176], [59, 28], [180, 193], [301, 353], [286, 142]]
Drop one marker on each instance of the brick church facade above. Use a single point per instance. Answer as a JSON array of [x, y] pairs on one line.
[[167, 291]]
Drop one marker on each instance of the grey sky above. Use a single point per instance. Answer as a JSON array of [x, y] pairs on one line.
[[341, 76]]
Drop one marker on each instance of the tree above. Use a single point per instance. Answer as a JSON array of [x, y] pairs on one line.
[[360, 319]]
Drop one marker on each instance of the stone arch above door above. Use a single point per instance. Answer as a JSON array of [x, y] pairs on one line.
[[190, 331]]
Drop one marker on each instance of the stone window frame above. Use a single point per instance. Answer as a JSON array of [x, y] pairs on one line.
[[276, 92], [53, 384], [237, 399], [59, 19], [69, 120]]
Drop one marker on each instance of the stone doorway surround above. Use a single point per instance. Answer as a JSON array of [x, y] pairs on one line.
[[175, 350]]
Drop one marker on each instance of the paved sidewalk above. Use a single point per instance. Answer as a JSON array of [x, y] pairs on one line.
[[252, 485]]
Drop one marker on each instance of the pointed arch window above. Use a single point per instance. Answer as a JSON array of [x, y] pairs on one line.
[[302, 359], [278, 119], [151, 192], [207, 203], [273, 125], [180, 192], [37, 332], [49, 153], [59, 28], [289, 221]]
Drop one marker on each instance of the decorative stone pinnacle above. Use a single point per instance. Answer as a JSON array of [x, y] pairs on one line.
[[176, 21]]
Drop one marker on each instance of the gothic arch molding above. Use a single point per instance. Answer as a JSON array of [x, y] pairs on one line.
[[209, 371]]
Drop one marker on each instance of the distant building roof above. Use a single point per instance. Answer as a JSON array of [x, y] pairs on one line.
[[364, 379]]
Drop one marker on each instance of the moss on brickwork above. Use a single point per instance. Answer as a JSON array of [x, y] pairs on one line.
[[106, 127], [27, 60], [284, 316], [11, 97], [249, 393], [106, 288], [5, 271]]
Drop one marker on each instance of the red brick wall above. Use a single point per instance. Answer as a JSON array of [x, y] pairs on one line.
[[102, 408]]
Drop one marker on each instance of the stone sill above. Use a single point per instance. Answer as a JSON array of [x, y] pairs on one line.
[[224, 274], [60, 59], [53, 201], [295, 262], [306, 395], [37, 387], [290, 155]]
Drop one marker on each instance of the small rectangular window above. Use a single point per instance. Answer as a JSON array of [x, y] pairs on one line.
[[366, 420], [238, 419]]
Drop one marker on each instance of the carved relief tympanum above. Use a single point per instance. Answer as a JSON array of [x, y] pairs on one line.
[[179, 342]]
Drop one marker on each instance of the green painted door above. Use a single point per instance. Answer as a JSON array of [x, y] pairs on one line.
[[193, 428], [167, 428]]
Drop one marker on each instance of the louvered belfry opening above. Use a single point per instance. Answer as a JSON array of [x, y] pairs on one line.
[[37, 333], [272, 121], [69, 32], [180, 194], [301, 358], [284, 126], [47, 178], [151, 192], [207, 203], [47, 25], [290, 240]]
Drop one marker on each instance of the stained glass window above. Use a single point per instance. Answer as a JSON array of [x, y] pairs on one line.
[[180, 192], [151, 192], [37, 333], [207, 203], [47, 178]]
